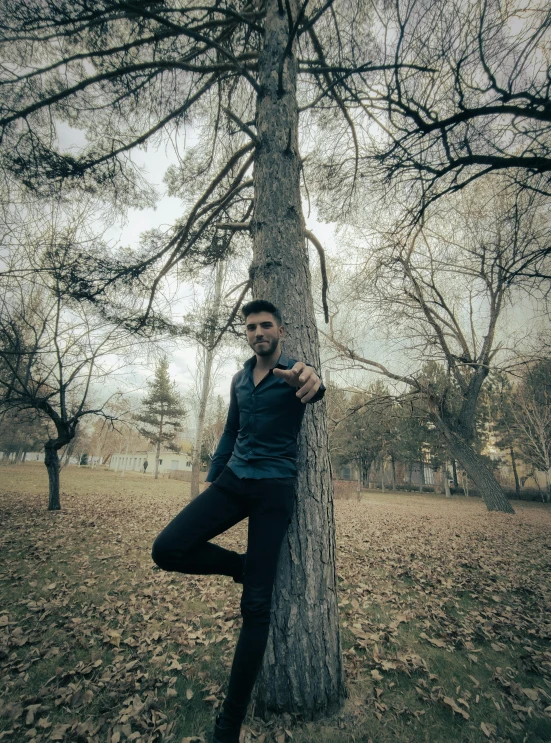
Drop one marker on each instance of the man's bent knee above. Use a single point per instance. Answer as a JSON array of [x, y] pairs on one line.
[[256, 610], [161, 556]]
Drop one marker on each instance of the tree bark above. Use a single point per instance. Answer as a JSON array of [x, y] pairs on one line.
[[51, 460], [302, 669], [474, 466], [515, 472]]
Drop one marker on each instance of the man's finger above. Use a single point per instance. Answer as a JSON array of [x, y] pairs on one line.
[[289, 375], [307, 386], [311, 392], [283, 373]]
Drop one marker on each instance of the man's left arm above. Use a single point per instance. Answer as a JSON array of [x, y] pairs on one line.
[[305, 378]]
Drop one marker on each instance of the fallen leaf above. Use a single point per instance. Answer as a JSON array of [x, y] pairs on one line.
[[488, 729], [449, 702]]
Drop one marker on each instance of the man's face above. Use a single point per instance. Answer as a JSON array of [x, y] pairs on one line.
[[263, 332]]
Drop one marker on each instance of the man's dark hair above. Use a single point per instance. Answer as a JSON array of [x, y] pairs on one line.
[[261, 305]]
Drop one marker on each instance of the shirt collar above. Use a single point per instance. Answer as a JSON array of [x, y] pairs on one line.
[[283, 362]]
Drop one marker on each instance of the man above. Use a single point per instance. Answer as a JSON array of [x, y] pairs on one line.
[[253, 473]]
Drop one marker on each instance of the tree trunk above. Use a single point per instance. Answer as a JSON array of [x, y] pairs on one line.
[[393, 473], [446, 481], [454, 471], [421, 475], [367, 476], [198, 445], [474, 466], [302, 669], [158, 450], [515, 472], [51, 460]]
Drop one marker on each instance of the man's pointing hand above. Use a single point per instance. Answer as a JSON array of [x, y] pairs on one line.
[[302, 376]]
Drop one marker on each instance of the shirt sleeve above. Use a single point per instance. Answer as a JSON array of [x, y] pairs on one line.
[[226, 444]]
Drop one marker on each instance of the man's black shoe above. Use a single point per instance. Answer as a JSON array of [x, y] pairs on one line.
[[225, 734], [243, 558]]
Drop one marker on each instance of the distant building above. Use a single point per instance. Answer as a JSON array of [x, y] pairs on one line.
[[169, 461]]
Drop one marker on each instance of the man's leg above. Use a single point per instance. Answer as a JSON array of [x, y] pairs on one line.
[[183, 545], [271, 508]]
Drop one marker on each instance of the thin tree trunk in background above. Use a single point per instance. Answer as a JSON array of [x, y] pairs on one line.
[[157, 457], [124, 461], [515, 472], [454, 470], [302, 669], [393, 473], [51, 460], [421, 476], [446, 481], [205, 388]]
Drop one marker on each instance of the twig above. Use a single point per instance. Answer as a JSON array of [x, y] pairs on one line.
[[324, 283]]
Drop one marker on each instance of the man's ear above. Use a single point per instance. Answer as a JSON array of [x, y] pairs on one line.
[[281, 331]]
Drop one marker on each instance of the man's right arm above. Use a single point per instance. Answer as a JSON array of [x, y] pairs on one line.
[[225, 446]]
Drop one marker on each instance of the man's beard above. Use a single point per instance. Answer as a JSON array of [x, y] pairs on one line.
[[267, 348]]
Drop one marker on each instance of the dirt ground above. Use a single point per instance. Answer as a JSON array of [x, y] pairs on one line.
[[444, 607]]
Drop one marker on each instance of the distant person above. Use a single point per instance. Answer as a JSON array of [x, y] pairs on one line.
[[253, 474], [145, 464]]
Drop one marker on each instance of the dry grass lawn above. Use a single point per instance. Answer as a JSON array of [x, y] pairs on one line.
[[444, 615]]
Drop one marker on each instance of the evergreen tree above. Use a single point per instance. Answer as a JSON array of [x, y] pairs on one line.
[[162, 412]]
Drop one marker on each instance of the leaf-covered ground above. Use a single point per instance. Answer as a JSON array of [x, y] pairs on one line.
[[444, 614]]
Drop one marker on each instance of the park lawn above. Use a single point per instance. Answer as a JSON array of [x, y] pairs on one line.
[[444, 615]]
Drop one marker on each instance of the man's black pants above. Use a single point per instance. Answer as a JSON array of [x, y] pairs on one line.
[[183, 546]]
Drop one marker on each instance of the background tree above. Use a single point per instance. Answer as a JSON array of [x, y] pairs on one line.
[[463, 93], [206, 373], [362, 433], [162, 412], [445, 293], [214, 428], [20, 433], [53, 354], [502, 420], [532, 419]]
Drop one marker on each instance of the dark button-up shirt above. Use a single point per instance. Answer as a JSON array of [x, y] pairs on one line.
[[260, 436]]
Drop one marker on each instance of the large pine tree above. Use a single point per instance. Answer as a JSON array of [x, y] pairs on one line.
[[162, 412]]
